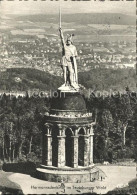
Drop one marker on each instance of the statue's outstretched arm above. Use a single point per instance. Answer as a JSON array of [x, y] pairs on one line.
[[62, 37]]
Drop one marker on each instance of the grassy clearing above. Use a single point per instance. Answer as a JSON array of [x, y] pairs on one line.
[[131, 189]]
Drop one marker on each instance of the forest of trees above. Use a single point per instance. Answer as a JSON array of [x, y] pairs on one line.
[[29, 79], [115, 115], [116, 126], [115, 129], [96, 79], [20, 133]]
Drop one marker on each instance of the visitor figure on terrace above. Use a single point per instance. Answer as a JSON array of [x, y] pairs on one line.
[[69, 64]]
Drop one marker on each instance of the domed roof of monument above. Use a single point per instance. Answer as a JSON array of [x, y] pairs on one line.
[[68, 101]]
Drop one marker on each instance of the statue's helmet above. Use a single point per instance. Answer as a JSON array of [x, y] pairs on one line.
[[70, 38]]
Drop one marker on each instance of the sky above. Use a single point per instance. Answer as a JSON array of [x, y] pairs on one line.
[[48, 6]]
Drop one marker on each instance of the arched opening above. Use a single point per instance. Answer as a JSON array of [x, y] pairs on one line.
[[55, 133], [81, 147], [68, 147]]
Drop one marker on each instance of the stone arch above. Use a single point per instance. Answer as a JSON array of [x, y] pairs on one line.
[[55, 133], [81, 134], [71, 129], [68, 146], [82, 129]]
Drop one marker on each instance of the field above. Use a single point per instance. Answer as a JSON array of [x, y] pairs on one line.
[[104, 38], [111, 26], [86, 31]]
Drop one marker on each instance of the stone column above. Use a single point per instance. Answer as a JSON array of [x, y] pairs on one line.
[[44, 146], [91, 149], [47, 146], [75, 151], [86, 150], [61, 151], [49, 150]]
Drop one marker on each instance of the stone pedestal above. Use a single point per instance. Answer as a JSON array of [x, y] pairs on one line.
[[69, 141]]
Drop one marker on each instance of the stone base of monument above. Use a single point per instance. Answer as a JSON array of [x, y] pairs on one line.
[[67, 140], [68, 174]]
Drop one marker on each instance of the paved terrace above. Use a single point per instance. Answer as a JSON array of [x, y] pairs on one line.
[[117, 176]]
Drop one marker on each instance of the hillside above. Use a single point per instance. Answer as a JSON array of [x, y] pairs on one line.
[[97, 79], [26, 113], [109, 79], [27, 79]]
